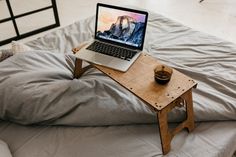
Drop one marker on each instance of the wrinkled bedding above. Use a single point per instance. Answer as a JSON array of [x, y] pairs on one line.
[[37, 87], [46, 79]]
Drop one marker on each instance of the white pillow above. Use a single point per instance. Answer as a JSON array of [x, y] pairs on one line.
[[4, 149], [18, 47]]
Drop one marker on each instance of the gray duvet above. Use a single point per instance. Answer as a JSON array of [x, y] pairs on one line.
[[37, 87]]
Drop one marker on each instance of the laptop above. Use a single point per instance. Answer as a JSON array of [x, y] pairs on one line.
[[119, 37]]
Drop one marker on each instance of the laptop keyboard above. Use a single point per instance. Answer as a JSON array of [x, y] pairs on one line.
[[111, 50]]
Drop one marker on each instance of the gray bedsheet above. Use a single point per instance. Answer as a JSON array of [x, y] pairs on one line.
[[208, 60], [212, 139]]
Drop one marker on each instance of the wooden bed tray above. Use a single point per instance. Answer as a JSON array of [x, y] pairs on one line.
[[139, 80]]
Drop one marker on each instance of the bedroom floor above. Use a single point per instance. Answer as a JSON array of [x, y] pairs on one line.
[[215, 17]]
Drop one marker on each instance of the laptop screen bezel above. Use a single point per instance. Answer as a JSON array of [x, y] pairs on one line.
[[124, 9]]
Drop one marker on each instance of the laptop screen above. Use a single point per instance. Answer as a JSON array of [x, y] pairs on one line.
[[121, 26]]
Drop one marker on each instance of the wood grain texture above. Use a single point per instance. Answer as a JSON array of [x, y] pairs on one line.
[[139, 79]]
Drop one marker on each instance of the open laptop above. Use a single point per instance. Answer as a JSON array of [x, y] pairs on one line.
[[119, 37]]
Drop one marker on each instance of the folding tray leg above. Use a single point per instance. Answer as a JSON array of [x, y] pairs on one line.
[[165, 134], [78, 68], [164, 131], [78, 71]]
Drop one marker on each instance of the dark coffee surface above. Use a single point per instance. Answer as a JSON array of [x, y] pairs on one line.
[[162, 77]]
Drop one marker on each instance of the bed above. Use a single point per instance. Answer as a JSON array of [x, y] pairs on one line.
[[120, 124]]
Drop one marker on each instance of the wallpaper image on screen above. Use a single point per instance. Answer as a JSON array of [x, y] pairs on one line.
[[121, 26]]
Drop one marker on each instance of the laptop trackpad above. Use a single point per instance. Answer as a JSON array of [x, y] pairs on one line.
[[101, 59]]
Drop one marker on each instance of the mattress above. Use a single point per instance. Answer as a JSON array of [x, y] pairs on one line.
[[172, 43], [209, 139]]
